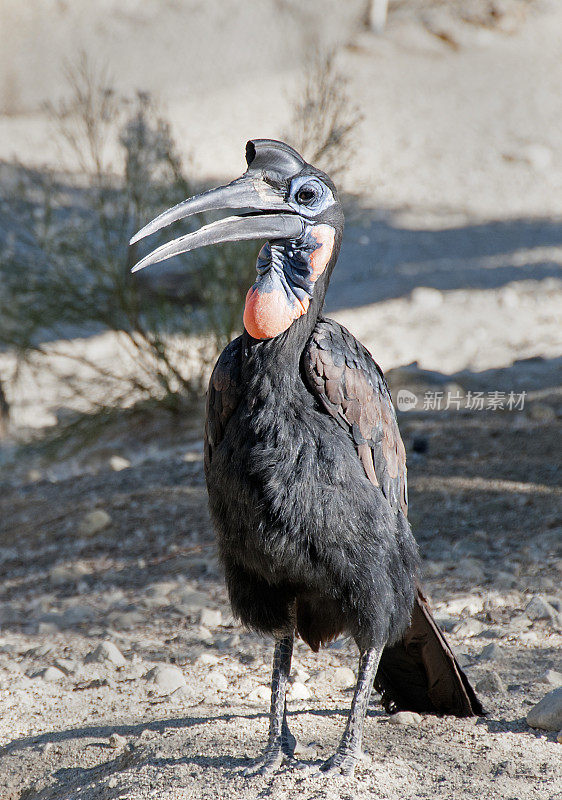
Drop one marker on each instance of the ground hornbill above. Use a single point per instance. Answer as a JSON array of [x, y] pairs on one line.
[[305, 466]]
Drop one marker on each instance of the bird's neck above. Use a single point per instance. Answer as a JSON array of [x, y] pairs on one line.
[[290, 283]]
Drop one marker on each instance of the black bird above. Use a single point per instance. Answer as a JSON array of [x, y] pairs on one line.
[[305, 467]]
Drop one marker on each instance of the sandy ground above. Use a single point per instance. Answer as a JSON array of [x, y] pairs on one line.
[[451, 259]]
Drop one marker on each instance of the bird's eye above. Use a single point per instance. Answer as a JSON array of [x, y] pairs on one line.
[[305, 195]]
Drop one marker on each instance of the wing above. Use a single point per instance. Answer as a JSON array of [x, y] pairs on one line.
[[420, 672], [351, 387], [223, 396]]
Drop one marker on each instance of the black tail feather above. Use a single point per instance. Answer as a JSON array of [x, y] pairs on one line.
[[421, 673]]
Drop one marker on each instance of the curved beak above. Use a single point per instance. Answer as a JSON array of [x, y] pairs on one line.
[[248, 192]]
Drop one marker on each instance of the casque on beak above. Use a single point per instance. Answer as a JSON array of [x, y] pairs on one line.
[[273, 218]]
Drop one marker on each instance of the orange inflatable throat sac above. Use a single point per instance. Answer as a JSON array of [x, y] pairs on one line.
[[271, 307]]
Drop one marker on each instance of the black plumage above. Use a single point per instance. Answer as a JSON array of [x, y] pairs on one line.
[[306, 470]]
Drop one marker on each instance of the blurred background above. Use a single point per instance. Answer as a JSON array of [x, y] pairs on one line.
[[440, 122]]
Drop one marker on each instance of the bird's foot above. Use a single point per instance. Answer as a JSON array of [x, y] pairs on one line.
[[274, 757], [342, 762]]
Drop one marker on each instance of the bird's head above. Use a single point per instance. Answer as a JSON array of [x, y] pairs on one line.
[[295, 207]]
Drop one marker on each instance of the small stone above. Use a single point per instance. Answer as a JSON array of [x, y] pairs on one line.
[[126, 620], [468, 628], [299, 674], [207, 659], [463, 659], [445, 622], [67, 573], [217, 680], [466, 604], [118, 463], [94, 522], [112, 782], [66, 665], [427, 297], [552, 677], [344, 678], [106, 652], [405, 718], [52, 675], [539, 608], [166, 677], [529, 637], [117, 741], [490, 683], [305, 752], [491, 652], [204, 633], [182, 693], [298, 691], [519, 623], [210, 618], [259, 694], [547, 714], [47, 748]]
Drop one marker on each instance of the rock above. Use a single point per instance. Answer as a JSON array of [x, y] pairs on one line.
[[94, 522], [299, 674], [466, 604], [529, 637], [217, 680], [552, 677], [118, 463], [166, 677], [106, 653], [427, 297], [66, 665], [405, 718], [519, 623], [468, 628], [210, 618], [463, 658], [547, 714], [207, 659], [492, 652], [490, 683], [161, 588], [343, 678], [117, 741], [260, 693], [445, 622], [67, 573], [305, 752], [126, 620], [52, 675], [539, 608], [204, 634], [298, 691], [183, 694]]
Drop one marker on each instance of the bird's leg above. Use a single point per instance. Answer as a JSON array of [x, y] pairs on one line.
[[280, 741], [349, 750]]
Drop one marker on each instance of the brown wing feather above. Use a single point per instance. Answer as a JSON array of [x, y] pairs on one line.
[[222, 396], [351, 387], [419, 673]]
